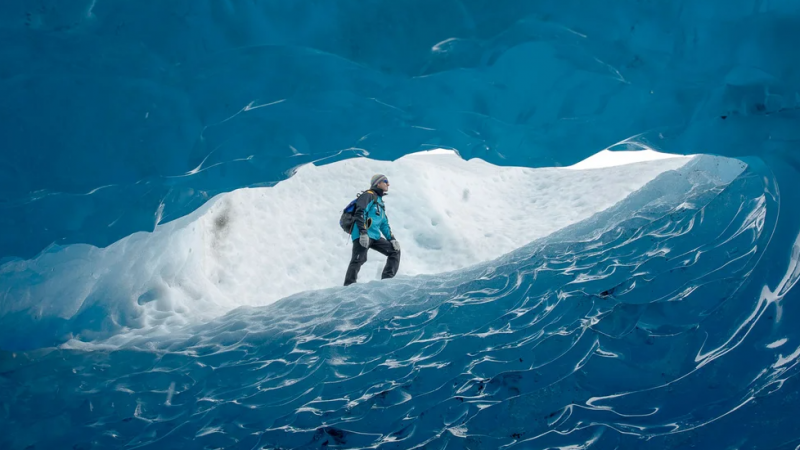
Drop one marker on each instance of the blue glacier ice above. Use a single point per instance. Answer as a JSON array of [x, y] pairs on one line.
[[667, 321]]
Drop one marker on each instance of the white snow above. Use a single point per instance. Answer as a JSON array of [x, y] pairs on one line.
[[608, 158], [447, 213], [255, 246]]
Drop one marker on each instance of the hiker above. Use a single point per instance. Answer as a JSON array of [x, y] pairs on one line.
[[370, 222]]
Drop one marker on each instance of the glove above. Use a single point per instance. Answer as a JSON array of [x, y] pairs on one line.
[[364, 240], [395, 244]]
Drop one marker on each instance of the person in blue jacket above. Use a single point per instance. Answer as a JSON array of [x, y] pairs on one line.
[[370, 223]]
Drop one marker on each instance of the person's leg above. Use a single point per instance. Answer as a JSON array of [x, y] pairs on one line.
[[392, 257], [358, 258]]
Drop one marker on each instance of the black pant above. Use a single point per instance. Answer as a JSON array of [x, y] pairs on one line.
[[360, 257]]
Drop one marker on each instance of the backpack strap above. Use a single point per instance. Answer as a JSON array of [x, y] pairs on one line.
[[373, 193], [379, 203]]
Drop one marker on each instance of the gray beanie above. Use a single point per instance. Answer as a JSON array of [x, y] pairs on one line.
[[377, 178]]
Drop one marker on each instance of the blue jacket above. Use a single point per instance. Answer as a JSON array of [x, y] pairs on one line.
[[370, 215]]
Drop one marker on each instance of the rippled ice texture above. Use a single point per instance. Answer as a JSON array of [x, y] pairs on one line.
[[641, 327]]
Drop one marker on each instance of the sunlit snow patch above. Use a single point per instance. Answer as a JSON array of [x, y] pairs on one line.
[[608, 158]]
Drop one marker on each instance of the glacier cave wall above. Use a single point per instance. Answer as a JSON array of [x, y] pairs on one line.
[[118, 115]]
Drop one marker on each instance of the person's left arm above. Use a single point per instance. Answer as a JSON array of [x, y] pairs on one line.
[[386, 230]]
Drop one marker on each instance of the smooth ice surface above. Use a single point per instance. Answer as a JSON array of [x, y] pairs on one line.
[[255, 246]]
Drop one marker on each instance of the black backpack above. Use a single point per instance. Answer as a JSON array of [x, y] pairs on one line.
[[348, 219]]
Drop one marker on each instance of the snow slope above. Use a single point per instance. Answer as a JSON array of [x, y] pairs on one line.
[[255, 246]]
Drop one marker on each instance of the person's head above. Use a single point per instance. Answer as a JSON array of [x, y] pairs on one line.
[[380, 181]]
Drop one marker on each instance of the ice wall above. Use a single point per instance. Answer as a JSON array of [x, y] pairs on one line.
[[118, 115]]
